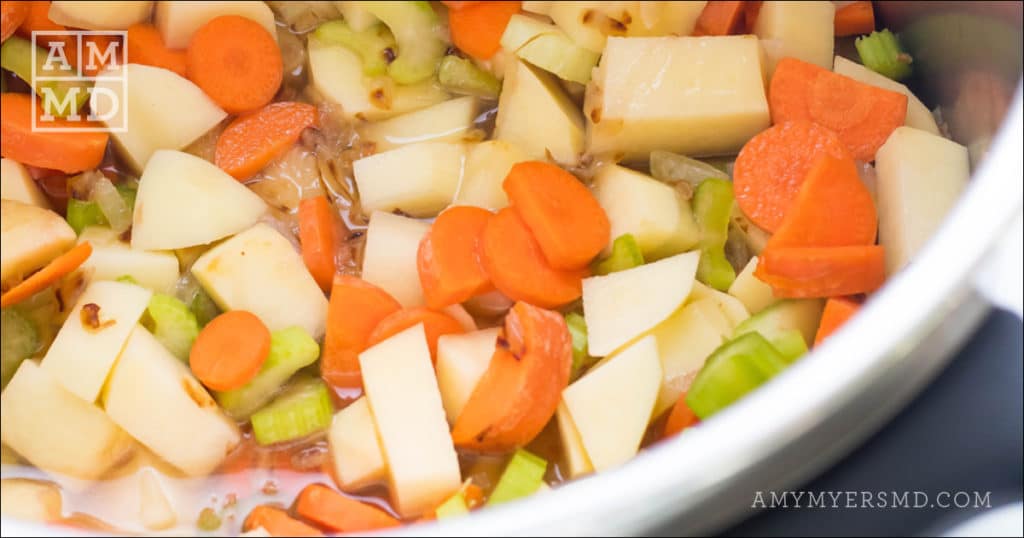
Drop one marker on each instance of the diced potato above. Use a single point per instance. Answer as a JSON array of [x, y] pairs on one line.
[[152, 125], [547, 47], [177, 21], [731, 308], [55, 430], [590, 23], [419, 179], [356, 15], [155, 509], [572, 445], [398, 379], [650, 210], [99, 14], [152, 269], [802, 30], [621, 306], [16, 184], [750, 290], [88, 344], [487, 165], [389, 258], [155, 398], [685, 340], [462, 360], [920, 177], [449, 121], [690, 95], [540, 7], [611, 404], [713, 313], [918, 115], [355, 450], [553, 126], [260, 271], [30, 237], [30, 500]]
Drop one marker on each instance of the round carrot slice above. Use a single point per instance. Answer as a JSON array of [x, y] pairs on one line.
[[448, 258], [230, 350], [12, 14], [236, 62]]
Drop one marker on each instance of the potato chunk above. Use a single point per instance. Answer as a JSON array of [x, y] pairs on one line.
[[30, 237]]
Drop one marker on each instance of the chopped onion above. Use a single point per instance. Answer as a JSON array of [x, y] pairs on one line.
[[113, 206]]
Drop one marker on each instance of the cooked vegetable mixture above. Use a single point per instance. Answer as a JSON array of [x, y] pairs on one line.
[[353, 265]]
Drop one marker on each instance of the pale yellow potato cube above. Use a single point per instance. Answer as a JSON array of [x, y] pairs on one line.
[[389, 258], [750, 290], [462, 360], [178, 21], [802, 30], [30, 237], [572, 445], [354, 447], [487, 165], [685, 340], [449, 121], [419, 179], [16, 184]]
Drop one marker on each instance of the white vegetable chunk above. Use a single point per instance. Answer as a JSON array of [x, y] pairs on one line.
[[418, 179], [731, 308], [590, 23], [751, 291], [30, 500], [99, 14], [487, 165], [389, 258], [462, 360], [354, 447], [398, 379], [918, 115], [685, 340], [152, 269], [449, 121], [178, 21], [802, 30], [572, 445], [16, 184], [155, 510], [30, 237]]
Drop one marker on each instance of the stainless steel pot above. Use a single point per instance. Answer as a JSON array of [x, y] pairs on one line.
[[969, 61]]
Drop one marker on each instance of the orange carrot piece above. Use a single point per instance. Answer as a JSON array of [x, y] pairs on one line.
[[832, 209], [855, 18], [448, 259], [338, 513], [38, 19], [355, 309], [804, 272], [43, 278], [476, 29], [318, 235], [102, 44], [236, 62], [751, 9], [720, 18], [250, 142], [680, 418], [861, 115], [435, 325], [230, 350], [520, 390], [145, 46], [837, 311], [565, 218], [517, 266], [474, 495], [12, 14], [277, 522], [772, 165], [68, 152]]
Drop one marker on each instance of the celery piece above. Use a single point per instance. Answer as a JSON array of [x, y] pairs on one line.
[[291, 349], [127, 279], [578, 332], [882, 53], [625, 255], [81, 214], [172, 323], [673, 167], [417, 30], [128, 194], [301, 409], [790, 345], [208, 520], [18, 341], [16, 56], [455, 506], [522, 477], [712, 208], [375, 45], [802, 315], [462, 76], [203, 307], [734, 369]]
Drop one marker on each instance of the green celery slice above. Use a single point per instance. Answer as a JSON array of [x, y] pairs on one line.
[[18, 341], [16, 56], [375, 45], [578, 332], [462, 76], [673, 167], [82, 214], [790, 344], [802, 315], [625, 254], [291, 349], [882, 53], [712, 208], [733, 370], [417, 30], [304, 408], [522, 477], [203, 307], [455, 506], [172, 323]]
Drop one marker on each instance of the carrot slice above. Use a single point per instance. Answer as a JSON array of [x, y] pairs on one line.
[[720, 18], [680, 418], [476, 29], [338, 513], [832, 209], [519, 391], [861, 115], [12, 14], [751, 9], [43, 278], [230, 350], [448, 258], [803, 272], [517, 266], [318, 235], [355, 309], [236, 62], [277, 522], [566, 219], [837, 311], [252, 141], [435, 324], [68, 152], [145, 46], [37, 20], [102, 44], [771, 167], [855, 18]]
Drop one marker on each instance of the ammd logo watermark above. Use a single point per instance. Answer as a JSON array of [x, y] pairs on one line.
[[64, 85]]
